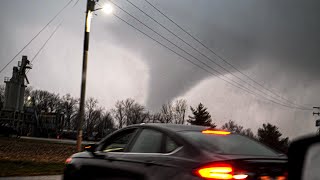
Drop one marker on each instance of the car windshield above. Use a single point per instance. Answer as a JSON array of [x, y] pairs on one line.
[[228, 144]]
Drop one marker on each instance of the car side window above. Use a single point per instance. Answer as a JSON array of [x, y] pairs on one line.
[[119, 142], [148, 141], [170, 145]]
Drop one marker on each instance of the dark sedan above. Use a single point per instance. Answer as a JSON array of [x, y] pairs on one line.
[[181, 152]]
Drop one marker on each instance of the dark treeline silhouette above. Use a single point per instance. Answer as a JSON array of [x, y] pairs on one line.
[[99, 122]]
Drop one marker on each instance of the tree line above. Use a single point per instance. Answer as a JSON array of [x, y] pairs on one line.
[[99, 122]]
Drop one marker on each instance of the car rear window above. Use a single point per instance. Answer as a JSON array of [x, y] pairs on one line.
[[228, 144]]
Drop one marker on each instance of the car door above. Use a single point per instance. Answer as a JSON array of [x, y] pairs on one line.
[[149, 153], [105, 163]]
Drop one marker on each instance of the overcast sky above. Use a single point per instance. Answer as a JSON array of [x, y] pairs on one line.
[[274, 42]]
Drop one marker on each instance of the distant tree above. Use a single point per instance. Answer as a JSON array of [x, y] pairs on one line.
[[119, 114], [93, 115], [167, 114], [248, 132], [127, 112], [179, 111], [200, 116], [135, 113], [106, 125], [154, 118], [2, 91], [234, 127], [270, 135], [54, 103], [69, 107], [46, 101]]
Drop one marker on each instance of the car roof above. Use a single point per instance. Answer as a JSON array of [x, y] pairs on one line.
[[174, 127]]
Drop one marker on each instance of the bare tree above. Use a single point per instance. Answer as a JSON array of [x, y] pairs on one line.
[[69, 106], [92, 115], [248, 132], [179, 108], [106, 125], [154, 118], [2, 91], [128, 106], [54, 103], [135, 113], [233, 127], [127, 112], [167, 114], [46, 101], [119, 114]]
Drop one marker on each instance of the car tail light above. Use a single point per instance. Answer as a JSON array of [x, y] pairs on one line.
[[240, 176], [68, 160], [273, 178], [219, 171]]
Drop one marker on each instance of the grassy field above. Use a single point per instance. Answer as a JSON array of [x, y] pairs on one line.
[[20, 157]]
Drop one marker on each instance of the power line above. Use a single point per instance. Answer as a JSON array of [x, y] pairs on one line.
[[247, 90], [76, 3], [36, 35], [196, 49], [191, 54], [220, 57], [53, 32]]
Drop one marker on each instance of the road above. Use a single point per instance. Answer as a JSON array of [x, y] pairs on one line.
[[56, 177], [62, 141]]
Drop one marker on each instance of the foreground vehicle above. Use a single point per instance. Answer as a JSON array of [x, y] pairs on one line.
[[166, 151]]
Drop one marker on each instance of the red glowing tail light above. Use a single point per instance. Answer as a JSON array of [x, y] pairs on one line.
[[219, 171]]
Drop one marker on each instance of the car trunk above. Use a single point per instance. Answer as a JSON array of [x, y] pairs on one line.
[[264, 169], [256, 167]]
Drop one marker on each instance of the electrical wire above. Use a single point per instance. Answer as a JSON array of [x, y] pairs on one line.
[[247, 90], [201, 52], [53, 32], [219, 73], [56, 15], [198, 50], [220, 57]]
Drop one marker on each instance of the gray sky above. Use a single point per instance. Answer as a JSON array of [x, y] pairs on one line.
[[275, 42]]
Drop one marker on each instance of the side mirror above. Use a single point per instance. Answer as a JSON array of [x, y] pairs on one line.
[[304, 159], [90, 147]]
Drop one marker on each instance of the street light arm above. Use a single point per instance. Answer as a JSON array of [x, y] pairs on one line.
[[97, 9]]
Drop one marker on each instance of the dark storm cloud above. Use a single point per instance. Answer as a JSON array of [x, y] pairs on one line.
[[276, 42], [281, 35]]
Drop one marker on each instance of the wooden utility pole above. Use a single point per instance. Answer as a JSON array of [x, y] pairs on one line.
[[89, 10]]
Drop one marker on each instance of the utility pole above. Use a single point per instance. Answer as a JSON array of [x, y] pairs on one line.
[[89, 10]]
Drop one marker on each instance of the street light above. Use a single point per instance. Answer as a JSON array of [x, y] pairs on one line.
[[90, 9], [107, 8]]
